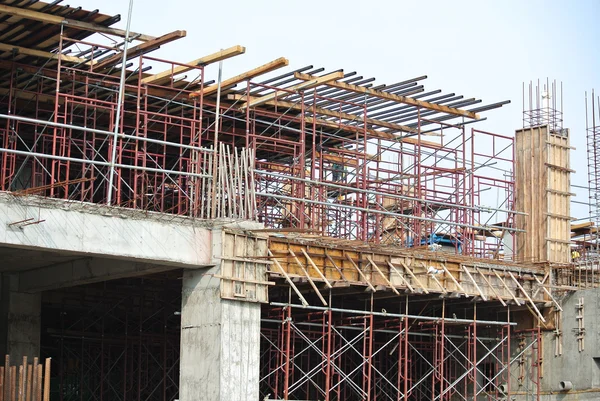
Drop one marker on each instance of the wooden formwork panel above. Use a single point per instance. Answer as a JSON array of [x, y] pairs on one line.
[[542, 190], [559, 199], [404, 271], [244, 267]]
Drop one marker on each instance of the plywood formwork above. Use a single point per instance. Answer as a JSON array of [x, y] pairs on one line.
[[334, 263], [542, 177]]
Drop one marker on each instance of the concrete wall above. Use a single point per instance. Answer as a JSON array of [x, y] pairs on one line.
[[580, 368], [20, 320]]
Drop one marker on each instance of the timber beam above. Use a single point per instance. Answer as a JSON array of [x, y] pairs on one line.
[[139, 49], [70, 23], [202, 61], [292, 89], [263, 69], [42, 54]]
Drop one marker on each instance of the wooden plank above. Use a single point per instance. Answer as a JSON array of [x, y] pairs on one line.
[[310, 280], [360, 273], [294, 88], [474, 283], [385, 279], [263, 69], [393, 268], [288, 279], [541, 317], [587, 224], [42, 54], [70, 23], [412, 275], [202, 61], [312, 263], [427, 144], [139, 49], [395, 98], [491, 287]]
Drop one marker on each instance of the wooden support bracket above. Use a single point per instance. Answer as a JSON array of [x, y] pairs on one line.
[[382, 275], [310, 280]]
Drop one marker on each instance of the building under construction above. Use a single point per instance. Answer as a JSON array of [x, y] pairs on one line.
[[283, 234]]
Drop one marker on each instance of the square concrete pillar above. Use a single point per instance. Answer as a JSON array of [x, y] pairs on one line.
[[20, 320], [220, 342]]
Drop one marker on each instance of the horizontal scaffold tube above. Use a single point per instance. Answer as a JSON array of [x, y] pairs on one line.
[[386, 213], [400, 315], [99, 131], [99, 163], [395, 196]]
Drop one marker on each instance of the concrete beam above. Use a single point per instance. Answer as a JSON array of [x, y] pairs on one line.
[[84, 271], [109, 232]]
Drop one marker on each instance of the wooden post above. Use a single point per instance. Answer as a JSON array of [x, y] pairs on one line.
[[19, 393], [29, 382], [13, 383], [24, 379], [34, 379], [47, 381], [1, 383], [38, 396], [6, 378]]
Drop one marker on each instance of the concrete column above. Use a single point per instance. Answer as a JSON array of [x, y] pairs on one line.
[[20, 320], [220, 343]]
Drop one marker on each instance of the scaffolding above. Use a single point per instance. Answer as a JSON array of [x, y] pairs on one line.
[[340, 354], [327, 152], [307, 151], [114, 341], [592, 125]]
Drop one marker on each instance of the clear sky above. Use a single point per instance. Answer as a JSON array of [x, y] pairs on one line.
[[479, 49]]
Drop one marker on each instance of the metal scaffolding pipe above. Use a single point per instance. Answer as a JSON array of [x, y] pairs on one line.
[[373, 192], [99, 131], [111, 173], [400, 315], [105, 164]]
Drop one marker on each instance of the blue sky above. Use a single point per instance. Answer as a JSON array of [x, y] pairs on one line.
[[479, 49]]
